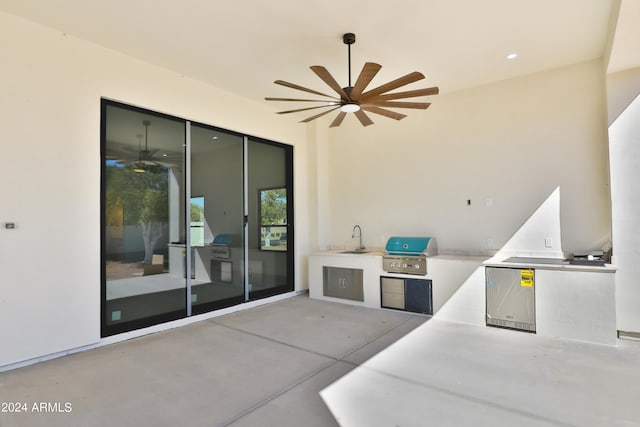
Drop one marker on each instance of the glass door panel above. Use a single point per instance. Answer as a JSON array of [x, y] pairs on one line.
[[270, 226], [144, 219], [194, 218], [216, 218]]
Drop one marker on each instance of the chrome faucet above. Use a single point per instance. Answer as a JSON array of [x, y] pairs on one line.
[[353, 236]]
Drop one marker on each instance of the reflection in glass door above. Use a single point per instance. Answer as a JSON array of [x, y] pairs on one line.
[[270, 215], [217, 206], [194, 218], [143, 216]]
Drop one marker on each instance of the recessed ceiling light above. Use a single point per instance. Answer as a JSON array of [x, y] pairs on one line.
[[214, 137], [512, 56]]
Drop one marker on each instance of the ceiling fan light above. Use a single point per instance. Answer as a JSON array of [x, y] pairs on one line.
[[350, 107]]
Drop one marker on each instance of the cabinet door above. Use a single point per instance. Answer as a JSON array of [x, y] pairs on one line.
[[392, 292], [331, 282], [346, 283], [418, 296], [353, 284]]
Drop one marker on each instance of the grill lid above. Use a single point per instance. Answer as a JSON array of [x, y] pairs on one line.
[[398, 245], [223, 239]]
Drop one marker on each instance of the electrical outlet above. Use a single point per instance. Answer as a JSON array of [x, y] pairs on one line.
[[548, 242]]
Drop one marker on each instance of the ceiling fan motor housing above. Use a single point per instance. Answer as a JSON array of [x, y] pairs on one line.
[[349, 38]]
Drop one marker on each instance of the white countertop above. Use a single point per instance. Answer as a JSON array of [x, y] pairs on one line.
[[379, 252], [348, 252], [499, 261]]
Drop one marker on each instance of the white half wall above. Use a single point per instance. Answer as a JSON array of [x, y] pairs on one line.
[[50, 114]]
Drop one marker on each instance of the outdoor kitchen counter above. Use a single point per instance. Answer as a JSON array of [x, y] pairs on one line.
[[543, 265], [447, 272], [571, 301], [349, 252]]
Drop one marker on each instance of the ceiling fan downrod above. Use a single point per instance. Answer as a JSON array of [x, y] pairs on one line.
[[349, 39], [146, 124]]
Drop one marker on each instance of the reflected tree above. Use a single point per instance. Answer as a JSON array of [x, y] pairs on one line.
[[138, 199], [273, 206]]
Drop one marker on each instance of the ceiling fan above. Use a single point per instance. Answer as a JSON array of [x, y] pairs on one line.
[[354, 99]]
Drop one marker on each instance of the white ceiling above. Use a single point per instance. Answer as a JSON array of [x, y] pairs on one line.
[[244, 45]]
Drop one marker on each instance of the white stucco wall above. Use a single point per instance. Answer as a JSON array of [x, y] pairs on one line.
[[50, 131], [505, 146], [624, 148]]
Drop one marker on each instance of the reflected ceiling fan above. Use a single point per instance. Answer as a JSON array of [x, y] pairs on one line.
[[354, 99], [145, 157]]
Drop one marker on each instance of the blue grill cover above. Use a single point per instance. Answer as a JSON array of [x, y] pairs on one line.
[[406, 245], [223, 239]]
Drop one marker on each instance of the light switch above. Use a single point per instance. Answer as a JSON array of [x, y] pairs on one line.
[[548, 242]]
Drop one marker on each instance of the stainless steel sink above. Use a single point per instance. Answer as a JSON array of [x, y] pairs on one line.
[[355, 252]]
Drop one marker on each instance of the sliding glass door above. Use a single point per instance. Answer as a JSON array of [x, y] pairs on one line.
[[217, 218], [194, 218], [144, 218], [270, 202]]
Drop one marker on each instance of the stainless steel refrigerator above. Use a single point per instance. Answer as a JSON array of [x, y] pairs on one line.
[[510, 298]]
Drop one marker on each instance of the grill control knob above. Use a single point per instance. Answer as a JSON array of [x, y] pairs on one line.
[[417, 266], [404, 265]]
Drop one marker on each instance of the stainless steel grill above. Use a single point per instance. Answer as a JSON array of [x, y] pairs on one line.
[[408, 255]]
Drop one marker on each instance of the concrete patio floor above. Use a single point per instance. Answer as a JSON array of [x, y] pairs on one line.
[[259, 367]]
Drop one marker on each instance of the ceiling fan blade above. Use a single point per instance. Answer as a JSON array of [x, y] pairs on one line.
[[392, 104], [326, 77], [383, 112], [308, 108], [367, 74], [407, 94], [338, 120], [296, 99], [394, 84], [304, 89], [308, 119], [364, 119]]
